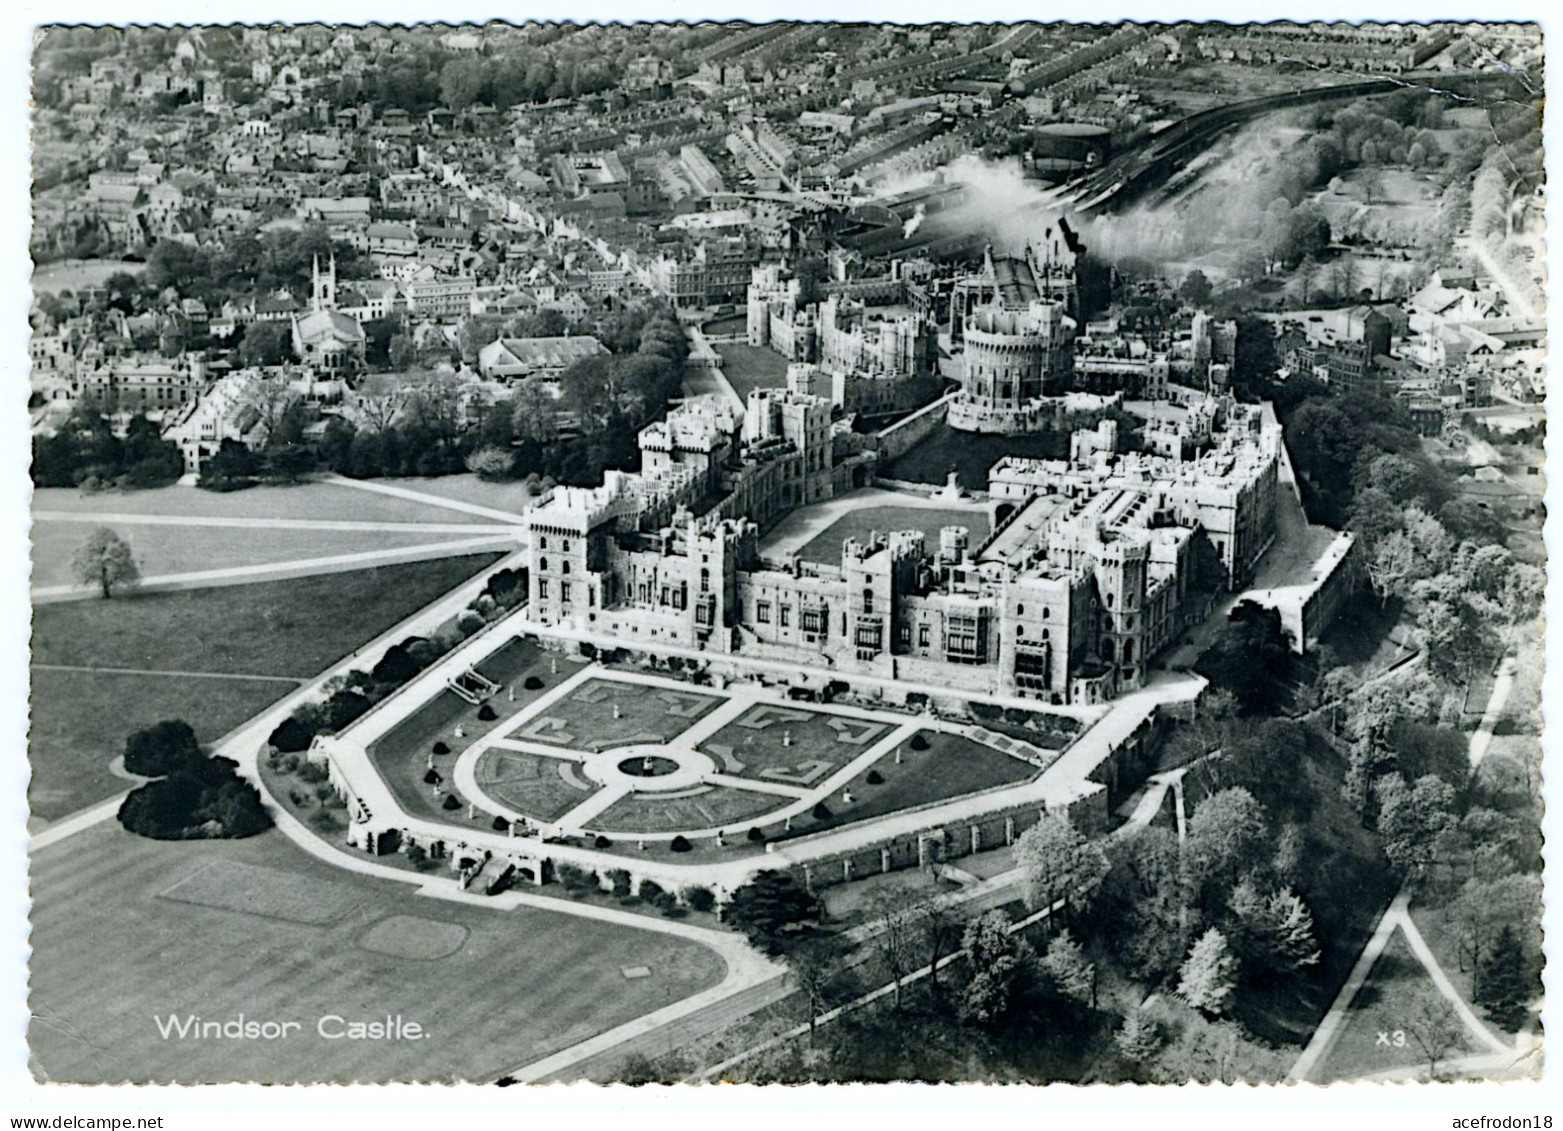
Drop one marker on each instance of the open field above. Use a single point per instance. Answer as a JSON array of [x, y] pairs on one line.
[[80, 721], [74, 274], [319, 500], [752, 367], [163, 550], [291, 630], [585, 719], [510, 496], [970, 455], [1390, 1001], [492, 988], [825, 546]]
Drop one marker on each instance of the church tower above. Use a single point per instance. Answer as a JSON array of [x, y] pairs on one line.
[[323, 287]]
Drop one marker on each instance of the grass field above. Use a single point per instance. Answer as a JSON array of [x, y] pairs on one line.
[[80, 721], [970, 454], [509, 496], [74, 274], [302, 500], [752, 367], [756, 744], [494, 989], [826, 545], [293, 629], [182, 549], [1389, 1002], [584, 719]]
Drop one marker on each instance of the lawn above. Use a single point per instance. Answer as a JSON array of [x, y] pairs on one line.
[[292, 629], [183, 549], [825, 546], [1388, 1002], [507, 496], [952, 766], [80, 721], [316, 500], [494, 989], [533, 784], [719, 807], [971, 455], [400, 756], [586, 719], [74, 274], [752, 367], [791, 745]]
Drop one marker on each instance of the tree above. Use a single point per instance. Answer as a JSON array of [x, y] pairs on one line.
[[401, 352], [1225, 834], [1505, 982], [1073, 975], [894, 914], [162, 748], [815, 964], [1058, 863], [1411, 821], [491, 464], [106, 561], [1250, 657], [1434, 1025], [998, 961], [266, 343], [770, 908], [1140, 1037], [1391, 566], [1209, 974], [1196, 288], [1273, 932]]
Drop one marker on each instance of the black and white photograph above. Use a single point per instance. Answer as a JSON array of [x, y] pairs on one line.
[[792, 552]]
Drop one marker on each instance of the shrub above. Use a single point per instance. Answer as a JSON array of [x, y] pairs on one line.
[[324, 792], [574, 878], [679, 844], [700, 898], [651, 891], [162, 748], [501, 825], [486, 714], [821, 812], [441, 748], [311, 774], [533, 683], [875, 778], [469, 622], [602, 842], [432, 777], [396, 667], [450, 802], [919, 742], [674, 911], [209, 801], [756, 835], [619, 880], [291, 736]]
